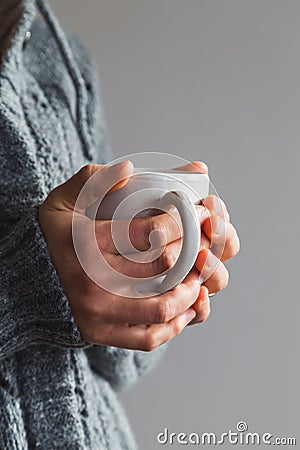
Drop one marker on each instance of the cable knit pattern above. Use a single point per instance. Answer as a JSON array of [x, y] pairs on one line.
[[56, 391], [33, 308]]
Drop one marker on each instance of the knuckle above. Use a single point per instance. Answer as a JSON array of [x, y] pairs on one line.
[[86, 172], [91, 307], [195, 289], [208, 199], [155, 223], [191, 289], [234, 242], [217, 205], [150, 342], [53, 194], [216, 202], [205, 315], [234, 248], [208, 311], [167, 259], [223, 279], [220, 229], [51, 200], [155, 227], [177, 327], [236, 245], [162, 312], [224, 210], [213, 202], [103, 235]]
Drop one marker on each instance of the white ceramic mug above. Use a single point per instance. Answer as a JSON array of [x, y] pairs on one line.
[[147, 191]]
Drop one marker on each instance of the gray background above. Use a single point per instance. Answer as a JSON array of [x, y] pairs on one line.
[[217, 81]]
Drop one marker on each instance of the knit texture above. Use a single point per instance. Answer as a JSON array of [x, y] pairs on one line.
[[56, 391]]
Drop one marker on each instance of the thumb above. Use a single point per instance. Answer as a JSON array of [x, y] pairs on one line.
[[88, 184]]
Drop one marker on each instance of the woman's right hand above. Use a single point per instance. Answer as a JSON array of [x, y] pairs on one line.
[[102, 316]]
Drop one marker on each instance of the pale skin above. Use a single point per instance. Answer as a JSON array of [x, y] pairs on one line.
[[141, 324]]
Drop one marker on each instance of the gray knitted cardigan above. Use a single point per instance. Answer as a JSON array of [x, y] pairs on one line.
[[56, 391]]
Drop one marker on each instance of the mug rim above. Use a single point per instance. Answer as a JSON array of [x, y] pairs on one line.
[[173, 173]]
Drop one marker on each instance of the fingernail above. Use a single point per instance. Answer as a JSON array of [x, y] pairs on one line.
[[200, 166], [190, 314], [205, 166], [120, 164]]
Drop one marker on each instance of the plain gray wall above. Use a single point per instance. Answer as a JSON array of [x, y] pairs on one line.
[[217, 81]]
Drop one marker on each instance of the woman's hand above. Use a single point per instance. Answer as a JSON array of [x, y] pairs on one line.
[[103, 317]]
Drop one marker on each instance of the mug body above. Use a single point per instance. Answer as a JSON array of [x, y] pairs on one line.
[[146, 187], [149, 192]]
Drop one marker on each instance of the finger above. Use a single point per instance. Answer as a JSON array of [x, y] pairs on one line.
[[157, 309], [201, 306], [204, 242], [146, 264], [146, 338], [195, 166], [142, 233], [213, 273], [232, 243], [152, 262], [216, 206], [215, 229], [223, 237], [96, 179]]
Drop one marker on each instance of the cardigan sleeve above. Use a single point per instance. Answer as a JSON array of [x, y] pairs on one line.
[[122, 368], [10, 15], [33, 306]]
